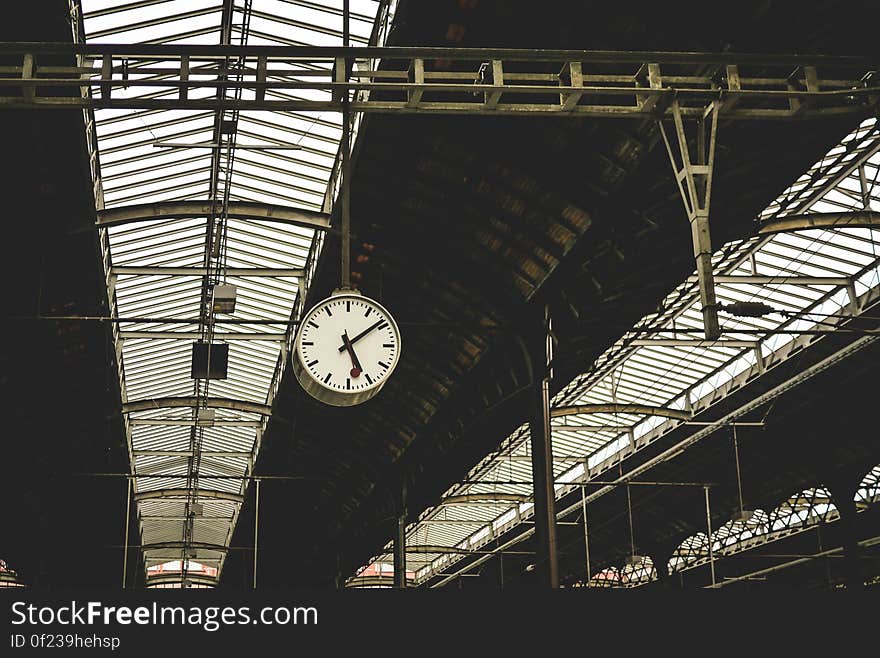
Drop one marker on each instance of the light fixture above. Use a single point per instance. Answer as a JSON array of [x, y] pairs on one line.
[[743, 515], [205, 417], [747, 309], [209, 360], [634, 560], [223, 298]]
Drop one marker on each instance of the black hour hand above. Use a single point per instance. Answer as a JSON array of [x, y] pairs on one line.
[[356, 369]]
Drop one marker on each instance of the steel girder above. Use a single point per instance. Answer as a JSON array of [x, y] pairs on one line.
[[193, 401], [236, 209], [492, 77]]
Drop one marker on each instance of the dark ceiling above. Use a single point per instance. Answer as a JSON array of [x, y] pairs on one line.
[[60, 400], [466, 226]]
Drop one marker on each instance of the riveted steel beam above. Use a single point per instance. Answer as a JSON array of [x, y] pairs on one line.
[[684, 342], [637, 409], [184, 493], [197, 545], [465, 499], [855, 219], [204, 208], [192, 401], [195, 335], [203, 271], [610, 87]]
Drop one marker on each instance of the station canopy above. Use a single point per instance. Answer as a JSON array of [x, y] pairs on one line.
[[661, 372], [189, 199]]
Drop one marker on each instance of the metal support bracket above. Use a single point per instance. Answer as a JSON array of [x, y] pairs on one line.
[[692, 163]]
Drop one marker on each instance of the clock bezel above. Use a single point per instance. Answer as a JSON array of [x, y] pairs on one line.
[[333, 396]]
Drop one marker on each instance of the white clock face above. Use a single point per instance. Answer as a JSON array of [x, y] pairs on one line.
[[348, 344]]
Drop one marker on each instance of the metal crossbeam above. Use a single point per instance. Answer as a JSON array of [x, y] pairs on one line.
[[675, 342], [638, 409], [202, 271], [184, 493], [820, 220], [195, 335], [192, 401], [752, 279], [135, 422], [490, 498], [205, 208], [188, 453], [415, 80]]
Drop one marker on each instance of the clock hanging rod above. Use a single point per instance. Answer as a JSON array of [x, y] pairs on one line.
[[345, 146]]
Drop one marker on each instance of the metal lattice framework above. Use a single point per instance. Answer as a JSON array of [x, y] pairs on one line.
[[813, 258], [189, 198], [186, 75]]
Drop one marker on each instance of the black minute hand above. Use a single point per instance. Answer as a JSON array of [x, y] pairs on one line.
[[342, 347]]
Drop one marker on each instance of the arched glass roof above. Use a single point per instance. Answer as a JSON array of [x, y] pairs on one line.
[[815, 280], [159, 265]]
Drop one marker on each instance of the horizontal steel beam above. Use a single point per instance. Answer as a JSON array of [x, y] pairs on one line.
[[591, 428], [192, 401], [684, 342], [183, 518], [196, 335], [239, 146], [452, 522], [370, 581], [219, 422], [173, 577], [778, 280], [615, 85], [187, 453], [204, 271], [329, 53], [454, 550], [637, 409], [557, 458], [849, 219], [197, 545], [236, 210], [464, 499], [184, 493]]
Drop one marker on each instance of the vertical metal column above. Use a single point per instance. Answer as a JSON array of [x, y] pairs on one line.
[[501, 567], [256, 531], [586, 531], [843, 496], [709, 536], [345, 146], [127, 525], [400, 542], [547, 564], [694, 180]]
